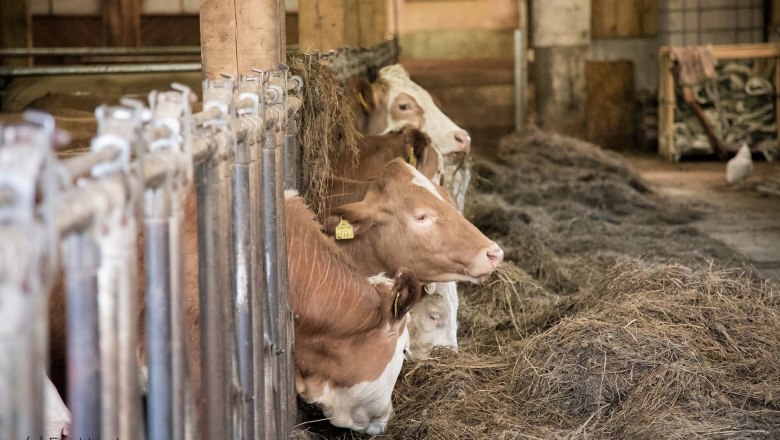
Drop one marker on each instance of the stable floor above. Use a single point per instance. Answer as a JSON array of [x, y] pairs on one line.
[[744, 218]]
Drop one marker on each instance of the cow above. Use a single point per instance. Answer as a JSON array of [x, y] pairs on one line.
[[374, 151], [402, 219], [395, 100], [350, 330]]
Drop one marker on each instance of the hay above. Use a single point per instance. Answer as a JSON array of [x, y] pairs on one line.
[[327, 128], [611, 317]]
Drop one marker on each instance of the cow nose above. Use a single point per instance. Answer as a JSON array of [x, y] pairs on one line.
[[463, 140], [495, 255]]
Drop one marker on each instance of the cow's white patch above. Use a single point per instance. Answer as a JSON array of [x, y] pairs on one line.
[[422, 181], [365, 407], [56, 414], [380, 278], [290, 193]]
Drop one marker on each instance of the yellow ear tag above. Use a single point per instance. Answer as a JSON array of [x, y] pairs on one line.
[[412, 158], [344, 230]]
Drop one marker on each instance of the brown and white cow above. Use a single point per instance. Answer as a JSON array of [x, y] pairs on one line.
[[350, 331], [395, 100], [402, 219], [374, 151]]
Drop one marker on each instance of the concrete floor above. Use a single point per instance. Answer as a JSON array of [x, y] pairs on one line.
[[743, 218]]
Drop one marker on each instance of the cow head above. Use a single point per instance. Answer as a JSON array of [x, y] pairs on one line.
[[395, 100], [356, 394], [434, 321], [402, 219]]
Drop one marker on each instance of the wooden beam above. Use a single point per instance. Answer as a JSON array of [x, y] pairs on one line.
[[260, 38], [16, 30], [122, 22], [330, 24]]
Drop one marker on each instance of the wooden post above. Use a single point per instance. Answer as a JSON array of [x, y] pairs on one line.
[[330, 24], [238, 36], [122, 22], [16, 30]]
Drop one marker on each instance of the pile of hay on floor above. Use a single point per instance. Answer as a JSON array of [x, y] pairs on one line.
[[611, 318], [327, 127]]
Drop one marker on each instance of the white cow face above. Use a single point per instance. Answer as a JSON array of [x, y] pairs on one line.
[[366, 407], [395, 100], [433, 322]]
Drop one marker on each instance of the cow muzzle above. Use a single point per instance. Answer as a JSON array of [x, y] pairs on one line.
[[486, 262], [462, 141]]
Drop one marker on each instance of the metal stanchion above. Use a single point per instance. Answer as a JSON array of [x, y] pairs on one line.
[[273, 401], [117, 273], [244, 208], [215, 265], [26, 249]]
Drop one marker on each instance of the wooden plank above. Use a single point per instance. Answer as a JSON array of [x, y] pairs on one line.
[[218, 38], [321, 24], [610, 105], [121, 22], [170, 30], [16, 30], [259, 37], [623, 18], [740, 51]]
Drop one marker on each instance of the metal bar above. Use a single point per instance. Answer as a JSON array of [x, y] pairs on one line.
[[270, 260], [82, 164], [292, 177], [287, 379], [158, 312], [242, 250], [80, 255], [214, 235], [75, 51], [104, 69], [258, 301]]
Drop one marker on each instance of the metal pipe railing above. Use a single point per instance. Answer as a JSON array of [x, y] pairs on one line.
[[240, 164], [92, 51]]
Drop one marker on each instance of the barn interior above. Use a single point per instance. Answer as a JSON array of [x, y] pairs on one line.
[[639, 295]]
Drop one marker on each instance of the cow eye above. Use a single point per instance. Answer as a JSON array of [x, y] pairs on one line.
[[405, 107], [421, 217], [434, 316]]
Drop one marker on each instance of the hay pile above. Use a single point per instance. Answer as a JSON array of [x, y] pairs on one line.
[[327, 127], [611, 317]]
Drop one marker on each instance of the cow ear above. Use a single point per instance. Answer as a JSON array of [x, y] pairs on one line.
[[406, 293], [420, 141], [364, 93], [357, 216]]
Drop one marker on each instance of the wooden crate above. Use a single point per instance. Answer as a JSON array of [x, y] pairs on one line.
[[666, 87]]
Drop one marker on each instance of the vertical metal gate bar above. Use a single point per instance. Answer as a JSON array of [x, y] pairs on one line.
[[80, 255], [270, 262], [214, 235], [158, 311], [243, 281]]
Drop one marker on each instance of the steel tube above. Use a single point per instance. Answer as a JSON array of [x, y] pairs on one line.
[[287, 379], [258, 301], [88, 51], [158, 312], [214, 261], [106, 69], [273, 401], [291, 154], [80, 255], [242, 250]]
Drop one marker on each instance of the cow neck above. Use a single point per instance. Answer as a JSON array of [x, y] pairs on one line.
[[328, 295]]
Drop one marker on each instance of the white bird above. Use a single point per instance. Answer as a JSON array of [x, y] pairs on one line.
[[740, 166]]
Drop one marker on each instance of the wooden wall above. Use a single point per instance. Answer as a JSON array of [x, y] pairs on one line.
[[624, 18]]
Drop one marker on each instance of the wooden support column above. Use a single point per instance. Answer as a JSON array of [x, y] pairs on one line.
[[122, 22], [240, 35], [330, 24], [16, 30]]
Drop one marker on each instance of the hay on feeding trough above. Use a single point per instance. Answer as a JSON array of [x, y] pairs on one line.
[[327, 128], [657, 352], [609, 318]]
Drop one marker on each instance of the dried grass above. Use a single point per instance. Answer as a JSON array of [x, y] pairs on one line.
[[327, 128], [611, 317]]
